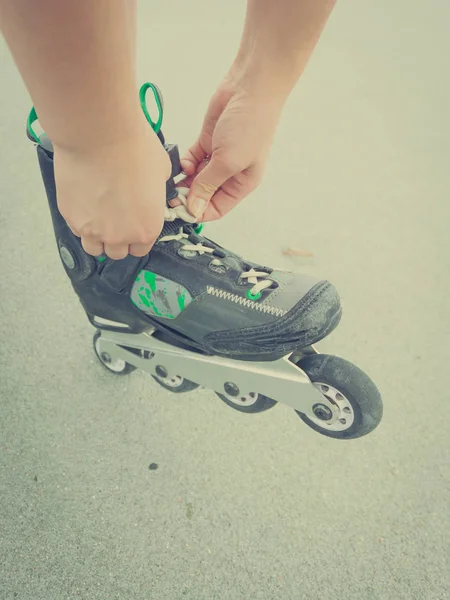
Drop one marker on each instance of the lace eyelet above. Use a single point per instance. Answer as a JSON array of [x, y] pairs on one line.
[[198, 228], [253, 297]]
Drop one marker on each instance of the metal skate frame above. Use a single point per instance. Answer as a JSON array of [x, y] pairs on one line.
[[282, 380]]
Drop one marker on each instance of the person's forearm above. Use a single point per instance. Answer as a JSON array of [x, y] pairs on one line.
[[278, 39], [77, 60]]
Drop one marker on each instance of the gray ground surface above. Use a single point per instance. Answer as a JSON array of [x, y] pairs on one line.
[[247, 507]]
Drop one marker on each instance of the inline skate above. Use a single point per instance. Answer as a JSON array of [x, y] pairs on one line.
[[193, 313]]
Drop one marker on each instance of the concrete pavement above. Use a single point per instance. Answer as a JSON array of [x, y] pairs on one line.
[[244, 507]]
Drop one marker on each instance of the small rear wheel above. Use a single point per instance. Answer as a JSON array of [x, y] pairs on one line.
[[356, 405], [116, 366]]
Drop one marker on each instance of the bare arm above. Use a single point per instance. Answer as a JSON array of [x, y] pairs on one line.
[[77, 60], [278, 39]]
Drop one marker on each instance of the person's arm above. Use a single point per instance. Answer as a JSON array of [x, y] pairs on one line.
[[278, 39], [77, 58]]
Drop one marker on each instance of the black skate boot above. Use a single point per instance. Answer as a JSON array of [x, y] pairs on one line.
[[196, 292], [185, 312]]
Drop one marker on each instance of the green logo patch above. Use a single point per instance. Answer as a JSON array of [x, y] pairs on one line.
[[158, 296]]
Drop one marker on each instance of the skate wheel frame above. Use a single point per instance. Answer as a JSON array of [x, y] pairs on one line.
[[278, 380]]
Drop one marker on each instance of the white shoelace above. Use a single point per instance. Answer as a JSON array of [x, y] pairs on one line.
[[259, 279], [179, 212]]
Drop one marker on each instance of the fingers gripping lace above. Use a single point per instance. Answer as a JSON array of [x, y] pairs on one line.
[[259, 279], [179, 212]]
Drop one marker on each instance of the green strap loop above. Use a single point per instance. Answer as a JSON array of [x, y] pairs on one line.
[[159, 103], [32, 118]]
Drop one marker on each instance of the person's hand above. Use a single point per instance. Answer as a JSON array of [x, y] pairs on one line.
[[227, 161], [113, 196]]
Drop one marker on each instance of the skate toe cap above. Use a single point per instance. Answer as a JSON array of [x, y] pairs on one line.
[[309, 319]]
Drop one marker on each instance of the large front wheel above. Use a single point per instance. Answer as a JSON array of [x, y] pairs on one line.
[[356, 405]]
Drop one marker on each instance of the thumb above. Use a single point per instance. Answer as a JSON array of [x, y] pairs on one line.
[[205, 185]]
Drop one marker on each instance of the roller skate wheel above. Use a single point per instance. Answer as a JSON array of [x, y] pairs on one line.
[[232, 392], [249, 402], [337, 418], [117, 366], [352, 404], [173, 383]]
